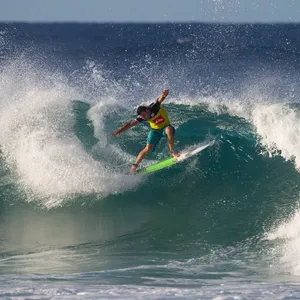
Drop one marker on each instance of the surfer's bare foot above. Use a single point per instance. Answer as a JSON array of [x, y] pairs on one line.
[[133, 170], [175, 154]]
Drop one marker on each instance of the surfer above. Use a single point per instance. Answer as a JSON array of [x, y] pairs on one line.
[[160, 126]]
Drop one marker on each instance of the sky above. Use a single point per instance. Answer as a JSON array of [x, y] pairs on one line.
[[150, 10]]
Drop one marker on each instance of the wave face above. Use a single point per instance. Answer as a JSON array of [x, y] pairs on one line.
[[222, 224]]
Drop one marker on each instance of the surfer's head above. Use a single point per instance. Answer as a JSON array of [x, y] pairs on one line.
[[144, 112]]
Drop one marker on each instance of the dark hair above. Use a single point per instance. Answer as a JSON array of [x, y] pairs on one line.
[[140, 109]]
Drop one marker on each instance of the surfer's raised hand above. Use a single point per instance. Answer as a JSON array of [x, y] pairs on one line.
[[117, 132], [164, 94]]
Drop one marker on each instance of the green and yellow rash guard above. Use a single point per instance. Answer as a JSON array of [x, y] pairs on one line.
[[159, 117]]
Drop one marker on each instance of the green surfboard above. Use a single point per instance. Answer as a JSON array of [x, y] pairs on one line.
[[172, 161]]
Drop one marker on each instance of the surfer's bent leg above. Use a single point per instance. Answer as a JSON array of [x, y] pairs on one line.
[[170, 132], [154, 137], [143, 153], [140, 157]]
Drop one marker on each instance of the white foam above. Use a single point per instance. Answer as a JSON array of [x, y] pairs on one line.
[[38, 140], [279, 128], [287, 236]]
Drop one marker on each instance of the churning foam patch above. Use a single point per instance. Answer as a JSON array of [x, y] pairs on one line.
[[97, 114], [287, 235], [38, 140], [277, 126]]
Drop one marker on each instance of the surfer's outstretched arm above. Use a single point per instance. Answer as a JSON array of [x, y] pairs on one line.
[[124, 127], [163, 96]]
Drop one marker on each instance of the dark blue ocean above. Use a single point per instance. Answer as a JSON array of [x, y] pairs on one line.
[[224, 224]]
